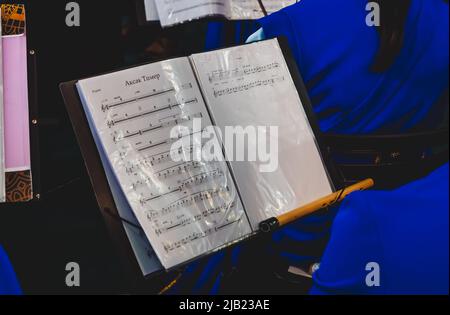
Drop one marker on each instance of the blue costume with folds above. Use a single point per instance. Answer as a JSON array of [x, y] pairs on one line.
[[404, 231], [9, 284]]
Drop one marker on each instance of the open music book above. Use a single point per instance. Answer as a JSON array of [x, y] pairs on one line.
[[171, 12], [150, 125]]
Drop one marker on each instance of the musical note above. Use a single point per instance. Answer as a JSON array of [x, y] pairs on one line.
[[178, 169], [205, 196], [153, 145], [154, 160], [169, 247], [121, 102], [201, 178], [183, 221], [246, 86], [156, 109], [221, 75], [165, 124]]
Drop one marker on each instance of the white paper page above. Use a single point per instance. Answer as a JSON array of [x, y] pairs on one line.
[[251, 86], [151, 12], [186, 208], [2, 132], [173, 12], [145, 255], [251, 9], [273, 6]]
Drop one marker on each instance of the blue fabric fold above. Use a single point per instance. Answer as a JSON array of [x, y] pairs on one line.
[[405, 232], [9, 285], [335, 50]]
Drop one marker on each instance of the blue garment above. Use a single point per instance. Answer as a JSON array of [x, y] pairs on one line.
[[335, 49], [8, 281], [406, 232]]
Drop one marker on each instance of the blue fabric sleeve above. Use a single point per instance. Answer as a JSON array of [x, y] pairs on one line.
[[9, 285], [335, 50], [405, 232], [354, 244]]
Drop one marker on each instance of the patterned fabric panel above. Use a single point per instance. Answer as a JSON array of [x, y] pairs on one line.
[[19, 187], [13, 19]]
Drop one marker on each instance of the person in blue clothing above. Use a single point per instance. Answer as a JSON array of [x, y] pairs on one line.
[[390, 242], [9, 284], [361, 80], [365, 80]]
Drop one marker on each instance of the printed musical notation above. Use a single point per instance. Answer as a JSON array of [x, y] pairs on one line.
[[172, 246], [176, 120], [242, 76], [239, 75], [205, 196], [246, 86], [183, 220], [221, 75], [142, 114], [172, 200]]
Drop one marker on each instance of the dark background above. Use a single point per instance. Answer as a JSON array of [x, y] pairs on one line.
[[65, 225]]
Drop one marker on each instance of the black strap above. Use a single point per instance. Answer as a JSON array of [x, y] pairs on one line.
[[263, 8], [118, 217]]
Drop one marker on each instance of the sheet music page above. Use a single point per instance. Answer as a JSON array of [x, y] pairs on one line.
[[251, 9], [251, 86], [172, 12], [186, 208], [2, 132], [273, 6], [151, 12], [145, 255]]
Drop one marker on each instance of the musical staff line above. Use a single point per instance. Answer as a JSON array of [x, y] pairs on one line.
[[246, 87], [152, 128], [195, 197], [115, 122], [220, 75], [197, 236], [169, 226], [136, 99], [166, 142], [144, 201], [166, 155]]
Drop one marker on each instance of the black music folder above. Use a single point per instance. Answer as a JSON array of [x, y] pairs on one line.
[[188, 155]]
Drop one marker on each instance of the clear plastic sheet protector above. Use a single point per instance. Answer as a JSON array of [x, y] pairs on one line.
[[188, 208], [172, 12], [251, 85]]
